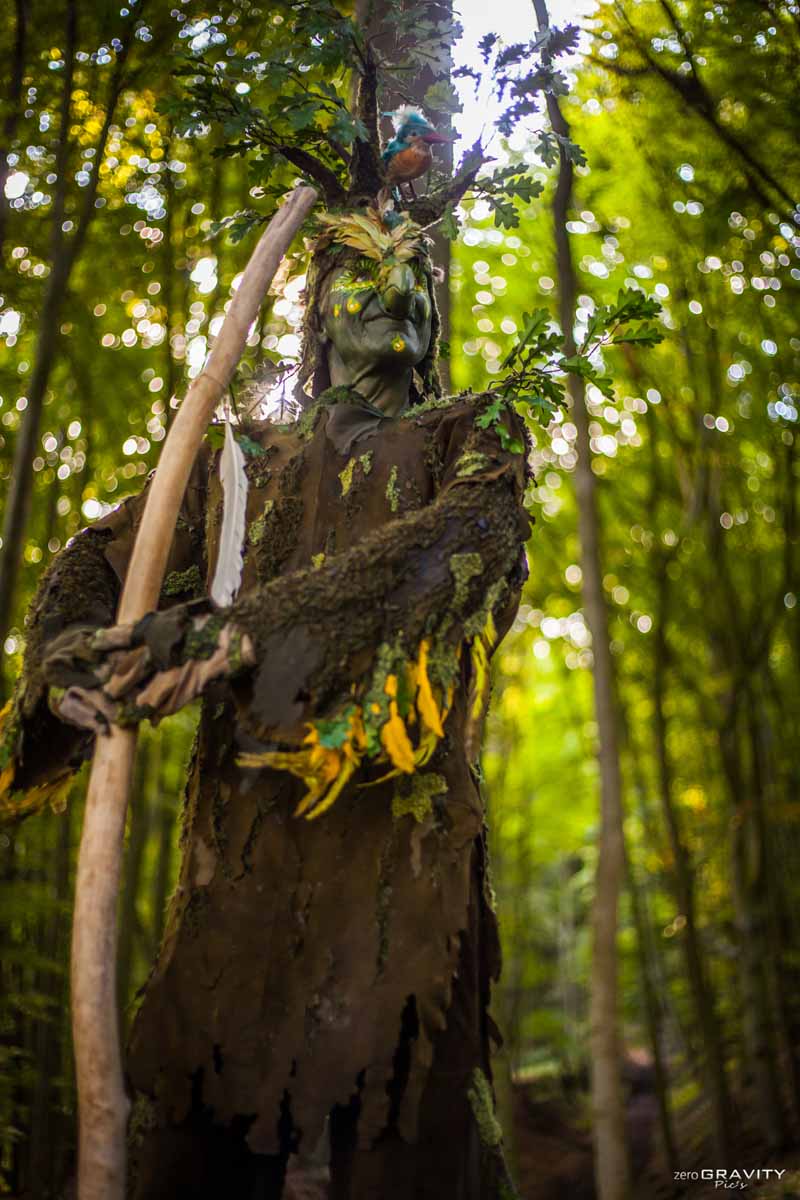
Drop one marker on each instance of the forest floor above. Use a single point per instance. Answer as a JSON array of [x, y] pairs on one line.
[[553, 1151]]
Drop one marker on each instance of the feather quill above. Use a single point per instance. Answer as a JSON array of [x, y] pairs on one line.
[[405, 113], [230, 557]]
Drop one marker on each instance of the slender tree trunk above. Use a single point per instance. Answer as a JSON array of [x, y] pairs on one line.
[[44, 1149], [567, 974], [18, 497], [652, 1013], [64, 254], [683, 884], [163, 872], [147, 768], [441, 249], [167, 285], [13, 108], [747, 873], [774, 958], [607, 1094], [611, 1151]]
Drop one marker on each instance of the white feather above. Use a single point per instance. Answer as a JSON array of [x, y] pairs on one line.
[[230, 557], [401, 115]]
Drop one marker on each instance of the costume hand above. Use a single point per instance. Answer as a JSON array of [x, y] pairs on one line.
[[119, 675]]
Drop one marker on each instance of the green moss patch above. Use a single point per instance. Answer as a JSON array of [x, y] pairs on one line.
[[414, 796]]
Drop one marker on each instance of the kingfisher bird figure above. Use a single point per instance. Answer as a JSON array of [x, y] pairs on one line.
[[408, 155]]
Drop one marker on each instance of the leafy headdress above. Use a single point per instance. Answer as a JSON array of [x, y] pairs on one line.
[[347, 238]]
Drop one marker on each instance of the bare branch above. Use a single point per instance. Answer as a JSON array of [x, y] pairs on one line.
[[334, 193], [427, 210]]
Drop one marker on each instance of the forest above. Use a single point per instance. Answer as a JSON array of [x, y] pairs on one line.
[[639, 758]]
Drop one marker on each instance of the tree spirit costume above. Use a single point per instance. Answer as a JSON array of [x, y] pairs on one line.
[[334, 970]]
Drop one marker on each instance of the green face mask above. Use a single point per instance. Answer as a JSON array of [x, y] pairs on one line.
[[378, 317]]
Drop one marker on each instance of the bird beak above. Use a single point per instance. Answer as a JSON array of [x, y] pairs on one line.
[[434, 138]]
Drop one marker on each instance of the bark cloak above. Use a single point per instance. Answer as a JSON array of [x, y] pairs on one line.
[[316, 967]]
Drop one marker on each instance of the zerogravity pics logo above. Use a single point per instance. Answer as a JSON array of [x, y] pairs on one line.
[[734, 1180]]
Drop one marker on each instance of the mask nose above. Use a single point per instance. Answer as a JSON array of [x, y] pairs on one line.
[[397, 296]]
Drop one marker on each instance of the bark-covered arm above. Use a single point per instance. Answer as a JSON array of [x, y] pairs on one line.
[[434, 576], [79, 591], [429, 575]]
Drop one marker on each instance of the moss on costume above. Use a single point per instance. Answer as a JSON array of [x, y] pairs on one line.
[[414, 797], [392, 491], [463, 568], [482, 1104], [255, 534], [183, 583], [202, 643], [471, 463], [276, 529]]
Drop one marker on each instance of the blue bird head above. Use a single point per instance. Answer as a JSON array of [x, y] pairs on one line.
[[410, 122]]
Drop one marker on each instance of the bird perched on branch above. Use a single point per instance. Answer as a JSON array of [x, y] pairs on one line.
[[408, 155]]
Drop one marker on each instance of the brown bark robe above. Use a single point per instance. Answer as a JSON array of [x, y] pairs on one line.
[[342, 964]]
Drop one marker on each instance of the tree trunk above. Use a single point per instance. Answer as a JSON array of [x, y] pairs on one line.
[[683, 884], [747, 875], [18, 497], [441, 248], [163, 872], [44, 1147], [611, 1152], [652, 1013], [15, 106], [64, 254], [147, 768], [774, 958]]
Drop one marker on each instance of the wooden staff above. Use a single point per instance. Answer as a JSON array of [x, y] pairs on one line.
[[102, 1103]]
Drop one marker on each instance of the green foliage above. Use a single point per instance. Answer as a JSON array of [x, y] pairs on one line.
[[503, 188], [286, 96], [535, 370]]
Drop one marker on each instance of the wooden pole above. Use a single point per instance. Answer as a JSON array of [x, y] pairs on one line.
[[102, 1103]]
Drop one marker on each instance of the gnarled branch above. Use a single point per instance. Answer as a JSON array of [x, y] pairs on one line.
[[314, 168], [426, 210]]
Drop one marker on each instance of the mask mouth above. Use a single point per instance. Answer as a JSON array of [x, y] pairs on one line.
[[400, 323]]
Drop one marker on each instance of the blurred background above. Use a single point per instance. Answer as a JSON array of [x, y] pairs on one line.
[[111, 290]]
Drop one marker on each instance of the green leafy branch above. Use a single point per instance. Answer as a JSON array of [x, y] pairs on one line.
[[536, 369], [503, 188]]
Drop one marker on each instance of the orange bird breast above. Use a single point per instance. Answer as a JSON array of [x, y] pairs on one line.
[[410, 163]]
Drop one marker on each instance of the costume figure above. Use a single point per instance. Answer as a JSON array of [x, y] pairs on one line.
[[321, 981]]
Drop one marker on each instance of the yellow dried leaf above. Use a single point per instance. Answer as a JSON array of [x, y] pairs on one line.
[[426, 704], [314, 793], [6, 778], [395, 740], [427, 745], [333, 794]]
